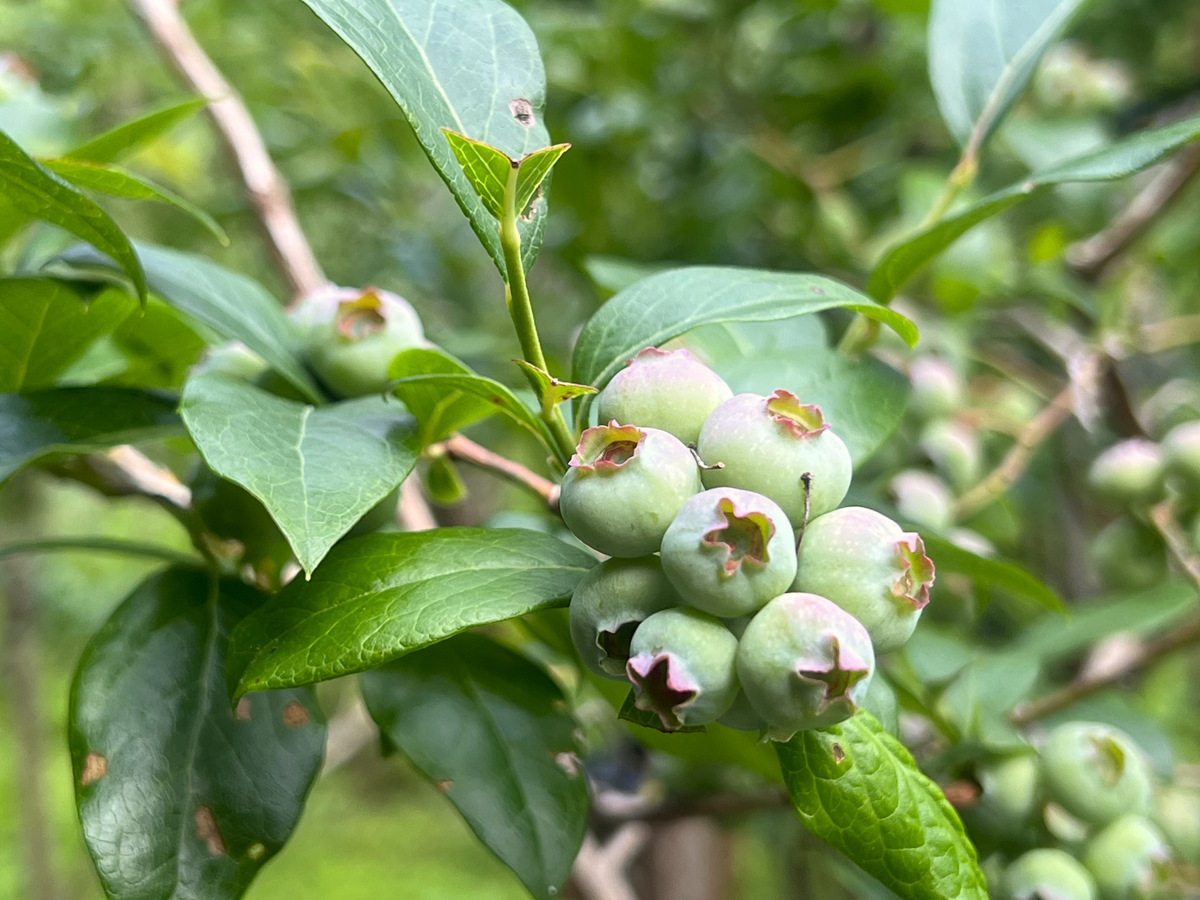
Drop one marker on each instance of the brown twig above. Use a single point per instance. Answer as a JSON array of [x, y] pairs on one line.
[[264, 186], [1090, 258], [610, 807], [1013, 466], [465, 449], [1163, 518]]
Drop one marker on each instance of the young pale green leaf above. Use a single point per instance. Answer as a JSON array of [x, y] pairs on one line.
[[856, 787], [532, 171], [492, 729], [45, 325], [317, 470], [179, 793], [991, 573], [470, 66], [232, 305], [79, 420], [668, 304], [863, 400], [129, 136], [1115, 161], [550, 388], [117, 182], [443, 484], [40, 194], [490, 170], [982, 54], [379, 596]]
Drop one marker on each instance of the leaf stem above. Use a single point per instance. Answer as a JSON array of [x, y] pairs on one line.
[[520, 308], [960, 178]]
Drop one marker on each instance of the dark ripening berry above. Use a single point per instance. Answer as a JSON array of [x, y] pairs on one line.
[[870, 567], [728, 552], [682, 667], [1128, 859], [1131, 472], [1095, 772], [804, 663], [609, 604], [669, 390], [624, 486], [352, 336], [1048, 875], [772, 445]]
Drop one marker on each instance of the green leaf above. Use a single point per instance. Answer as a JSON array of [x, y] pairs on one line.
[[550, 388], [79, 420], [232, 305], [864, 400], [856, 787], [158, 347], [46, 325], [982, 54], [443, 484], [1107, 164], [491, 729], [470, 66], [629, 712], [489, 171], [978, 701], [317, 470], [117, 182], [179, 794], [128, 136], [668, 304], [40, 194], [380, 596], [992, 573]]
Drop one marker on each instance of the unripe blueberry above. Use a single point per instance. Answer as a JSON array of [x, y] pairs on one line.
[[804, 663], [1011, 789], [870, 567], [1132, 471], [1181, 452], [1046, 874], [728, 552], [1177, 813], [609, 604], [955, 451], [681, 664], [234, 359], [1128, 555], [669, 390], [937, 389], [768, 445], [353, 335], [1095, 772], [923, 498], [624, 486], [1127, 859]]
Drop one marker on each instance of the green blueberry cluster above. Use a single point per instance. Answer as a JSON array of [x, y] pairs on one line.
[[709, 604], [1093, 786]]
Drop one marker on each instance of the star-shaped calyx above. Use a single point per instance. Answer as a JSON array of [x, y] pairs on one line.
[[606, 448], [741, 536], [844, 670], [615, 643], [802, 420], [661, 686], [916, 571], [359, 318]]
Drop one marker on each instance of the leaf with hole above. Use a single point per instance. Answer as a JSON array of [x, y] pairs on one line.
[[380, 596], [491, 729], [180, 794], [317, 469]]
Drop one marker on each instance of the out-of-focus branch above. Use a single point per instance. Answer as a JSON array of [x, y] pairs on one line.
[[1168, 334], [600, 869], [1013, 466], [1090, 258], [468, 451], [265, 188], [1165, 522], [611, 807]]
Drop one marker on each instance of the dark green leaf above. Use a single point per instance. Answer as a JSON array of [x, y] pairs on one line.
[[856, 787], [128, 136], [668, 304], [116, 182], [179, 794], [158, 346], [982, 54], [497, 397], [491, 729], [992, 573], [1115, 161], [470, 66], [317, 470], [41, 194], [79, 420], [863, 400], [46, 325], [380, 596]]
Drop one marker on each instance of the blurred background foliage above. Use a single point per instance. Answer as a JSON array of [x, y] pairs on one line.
[[792, 134]]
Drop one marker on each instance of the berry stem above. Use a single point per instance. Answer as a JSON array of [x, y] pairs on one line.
[[520, 308]]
